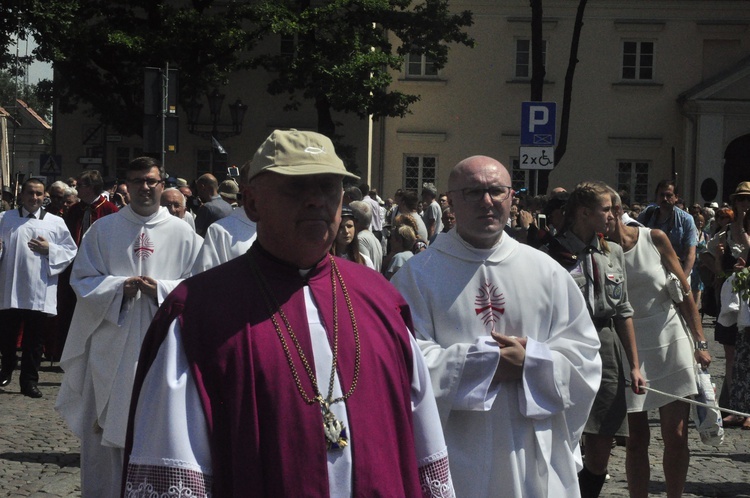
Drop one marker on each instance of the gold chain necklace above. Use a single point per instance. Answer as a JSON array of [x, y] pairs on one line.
[[334, 430]]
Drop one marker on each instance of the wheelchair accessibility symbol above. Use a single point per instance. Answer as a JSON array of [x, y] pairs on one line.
[[537, 157]]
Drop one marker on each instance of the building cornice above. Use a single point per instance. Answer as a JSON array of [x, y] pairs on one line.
[[422, 136], [640, 25], [644, 141]]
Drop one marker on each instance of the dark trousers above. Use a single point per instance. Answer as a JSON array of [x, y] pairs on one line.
[[31, 346]]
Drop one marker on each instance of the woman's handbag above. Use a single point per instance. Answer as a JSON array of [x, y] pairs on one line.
[[707, 420], [675, 288]]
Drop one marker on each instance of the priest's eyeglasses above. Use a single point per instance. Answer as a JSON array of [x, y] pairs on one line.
[[137, 182], [497, 193]]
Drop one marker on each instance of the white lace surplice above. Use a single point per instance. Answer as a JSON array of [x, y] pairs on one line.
[[171, 452]]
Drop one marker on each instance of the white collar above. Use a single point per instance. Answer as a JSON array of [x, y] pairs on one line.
[[25, 213]]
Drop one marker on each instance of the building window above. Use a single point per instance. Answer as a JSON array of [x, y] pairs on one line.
[[419, 170], [216, 164], [420, 66], [123, 156], [523, 58], [637, 60], [288, 46], [632, 177], [519, 178], [524, 181]]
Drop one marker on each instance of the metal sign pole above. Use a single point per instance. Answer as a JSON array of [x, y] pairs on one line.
[[165, 95]]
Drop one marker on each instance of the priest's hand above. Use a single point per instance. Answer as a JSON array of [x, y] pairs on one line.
[[39, 245], [512, 357], [148, 286], [130, 287]]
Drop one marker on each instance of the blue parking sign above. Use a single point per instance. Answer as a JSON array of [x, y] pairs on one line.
[[538, 123]]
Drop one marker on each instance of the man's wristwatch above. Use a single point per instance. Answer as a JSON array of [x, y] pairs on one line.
[[701, 346]]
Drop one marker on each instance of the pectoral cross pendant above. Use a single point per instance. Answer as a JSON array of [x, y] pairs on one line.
[[335, 431]]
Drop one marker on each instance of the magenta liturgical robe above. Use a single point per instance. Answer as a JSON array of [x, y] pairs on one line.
[[264, 439]]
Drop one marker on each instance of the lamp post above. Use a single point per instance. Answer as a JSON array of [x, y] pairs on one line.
[[214, 130]]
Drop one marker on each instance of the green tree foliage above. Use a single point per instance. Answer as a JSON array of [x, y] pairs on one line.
[[343, 51], [99, 49], [38, 97], [11, 21]]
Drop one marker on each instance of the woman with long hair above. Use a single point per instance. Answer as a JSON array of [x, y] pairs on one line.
[[599, 269], [346, 244], [670, 341], [734, 310], [724, 249]]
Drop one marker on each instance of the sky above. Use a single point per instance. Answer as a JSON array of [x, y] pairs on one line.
[[37, 70]]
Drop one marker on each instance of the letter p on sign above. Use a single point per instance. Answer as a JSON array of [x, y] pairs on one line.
[[538, 116], [538, 123]]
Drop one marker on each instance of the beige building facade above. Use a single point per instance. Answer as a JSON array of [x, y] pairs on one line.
[[656, 80], [661, 87]]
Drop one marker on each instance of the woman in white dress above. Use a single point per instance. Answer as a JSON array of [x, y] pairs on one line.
[[670, 341]]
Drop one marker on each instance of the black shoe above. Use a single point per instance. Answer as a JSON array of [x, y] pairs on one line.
[[5, 378], [31, 391]]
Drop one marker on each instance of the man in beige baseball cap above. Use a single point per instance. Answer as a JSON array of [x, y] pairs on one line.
[[298, 153], [301, 357]]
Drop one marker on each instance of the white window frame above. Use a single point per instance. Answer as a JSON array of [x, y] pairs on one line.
[[633, 180], [419, 66], [425, 173], [638, 65], [521, 51]]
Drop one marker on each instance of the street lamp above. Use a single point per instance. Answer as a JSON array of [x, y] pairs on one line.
[[213, 129]]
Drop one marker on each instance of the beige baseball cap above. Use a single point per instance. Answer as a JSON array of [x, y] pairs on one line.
[[293, 152], [229, 189]]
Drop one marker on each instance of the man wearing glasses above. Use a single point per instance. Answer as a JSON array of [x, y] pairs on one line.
[[512, 352], [126, 266]]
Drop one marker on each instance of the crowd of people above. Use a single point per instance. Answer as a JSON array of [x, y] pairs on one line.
[[289, 332]]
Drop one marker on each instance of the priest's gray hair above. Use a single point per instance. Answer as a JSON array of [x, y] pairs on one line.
[[175, 189], [58, 184], [616, 199], [362, 214]]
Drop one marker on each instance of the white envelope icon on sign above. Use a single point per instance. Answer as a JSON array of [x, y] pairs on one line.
[[542, 139]]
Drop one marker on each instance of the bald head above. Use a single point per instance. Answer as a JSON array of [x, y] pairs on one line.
[[208, 186], [481, 195], [474, 164]]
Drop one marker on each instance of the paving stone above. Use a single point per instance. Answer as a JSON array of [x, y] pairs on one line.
[[39, 456]]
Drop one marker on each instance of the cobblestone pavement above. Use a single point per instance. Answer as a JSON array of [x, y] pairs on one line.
[[714, 471], [39, 456]]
